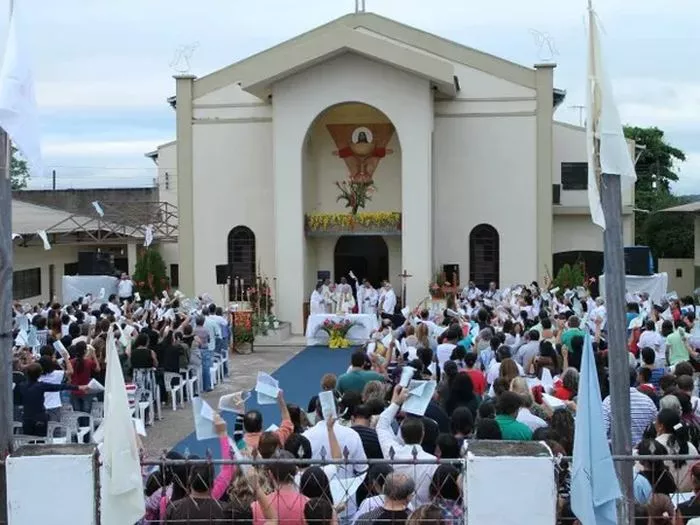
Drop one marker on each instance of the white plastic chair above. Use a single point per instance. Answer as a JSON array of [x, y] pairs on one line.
[[51, 436], [71, 421], [191, 377], [97, 412], [144, 401], [175, 390]]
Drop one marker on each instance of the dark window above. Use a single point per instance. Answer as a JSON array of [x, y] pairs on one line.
[[175, 275], [679, 272], [241, 257], [574, 175], [556, 193], [26, 283], [70, 269], [484, 256]]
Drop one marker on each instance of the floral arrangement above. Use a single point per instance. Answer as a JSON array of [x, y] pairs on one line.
[[355, 194], [379, 220], [337, 332], [436, 288], [243, 330], [262, 296]]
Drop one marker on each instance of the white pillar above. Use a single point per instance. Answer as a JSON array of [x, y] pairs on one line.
[[132, 256]]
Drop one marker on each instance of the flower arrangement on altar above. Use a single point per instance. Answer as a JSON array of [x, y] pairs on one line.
[[436, 289], [337, 332], [379, 220], [260, 297]]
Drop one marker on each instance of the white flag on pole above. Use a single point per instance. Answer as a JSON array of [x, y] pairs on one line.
[[44, 238], [602, 123], [18, 112], [148, 236], [98, 208], [122, 485]]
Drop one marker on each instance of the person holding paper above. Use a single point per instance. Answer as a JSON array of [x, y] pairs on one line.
[[125, 289], [412, 432], [253, 425], [84, 366], [357, 377]]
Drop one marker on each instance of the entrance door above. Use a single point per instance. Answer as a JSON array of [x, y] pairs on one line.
[[367, 256], [52, 281]]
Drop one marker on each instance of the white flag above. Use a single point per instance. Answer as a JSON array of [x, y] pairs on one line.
[[149, 236], [98, 208], [16, 236], [18, 112], [44, 238], [122, 485], [602, 123]]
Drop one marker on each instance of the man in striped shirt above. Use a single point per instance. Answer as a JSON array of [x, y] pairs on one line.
[[642, 411]]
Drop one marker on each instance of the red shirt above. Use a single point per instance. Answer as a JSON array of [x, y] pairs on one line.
[[478, 380], [83, 377]]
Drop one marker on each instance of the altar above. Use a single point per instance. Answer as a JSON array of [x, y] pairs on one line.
[[365, 324]]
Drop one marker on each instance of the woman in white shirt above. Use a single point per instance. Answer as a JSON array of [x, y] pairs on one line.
[[54, 375], [673, 435]]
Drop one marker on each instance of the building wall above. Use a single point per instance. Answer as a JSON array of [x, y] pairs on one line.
[[167, 173], [484, 172], [36, 257], [681, 275], [578, 233]]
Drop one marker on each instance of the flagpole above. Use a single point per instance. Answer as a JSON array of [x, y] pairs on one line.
[[614, 269], [6, 263]]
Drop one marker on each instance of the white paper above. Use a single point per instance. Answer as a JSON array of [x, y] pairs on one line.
[[553, 402], [58, 346], [44, 239], [234, 402], [23, 322], [405, 311], [387, 339], [102, 294], [95, 387], [139, 426], [100, 212], [203, 419], [267, 388], [417, 404], [165, 294], [327, 401], [22, 339], [137, 297], [406, 375], [272, 428], [547, 380]]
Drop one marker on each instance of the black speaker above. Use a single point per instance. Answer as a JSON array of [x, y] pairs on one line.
[[451, 272], [638, 260], [223, 272], [95, 263]]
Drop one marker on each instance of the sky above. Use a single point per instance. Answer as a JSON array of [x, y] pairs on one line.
[[102, 67]]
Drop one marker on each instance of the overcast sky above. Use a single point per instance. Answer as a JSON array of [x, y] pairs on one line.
[[102, 67]]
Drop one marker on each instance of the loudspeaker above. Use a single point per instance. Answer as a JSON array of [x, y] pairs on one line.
[[638, 260], [223, 272], [96, 263], [451, 272]]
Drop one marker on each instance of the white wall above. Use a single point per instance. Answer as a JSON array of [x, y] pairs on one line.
[[37, 257], [578, 233], [407, 102], [683, 284], [167, 173], [485, 172]]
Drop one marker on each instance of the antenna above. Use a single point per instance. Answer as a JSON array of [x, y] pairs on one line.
[[580, 113]]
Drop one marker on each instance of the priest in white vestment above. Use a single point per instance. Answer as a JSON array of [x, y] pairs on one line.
[[389, 302], [370, 298], [317, 302]]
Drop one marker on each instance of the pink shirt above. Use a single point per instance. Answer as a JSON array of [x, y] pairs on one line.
[[287, 503]]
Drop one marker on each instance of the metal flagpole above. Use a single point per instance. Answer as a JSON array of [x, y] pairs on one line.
[[6, 402]]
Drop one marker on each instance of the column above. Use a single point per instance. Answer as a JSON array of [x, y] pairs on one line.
[[544, 83], [185, 183], [132, 256]]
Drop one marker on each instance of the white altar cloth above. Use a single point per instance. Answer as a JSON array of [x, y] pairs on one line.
[[655, 285], [365, 324]]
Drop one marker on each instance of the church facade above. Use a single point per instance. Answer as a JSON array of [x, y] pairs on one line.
[[369, 146]]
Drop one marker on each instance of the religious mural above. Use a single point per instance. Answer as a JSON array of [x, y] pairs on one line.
[[361, 146]]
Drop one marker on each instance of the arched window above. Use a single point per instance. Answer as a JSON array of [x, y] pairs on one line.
[[484, 257], [241, 255]]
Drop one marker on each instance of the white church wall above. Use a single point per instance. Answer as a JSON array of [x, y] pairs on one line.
[[324, 168], [232, 167], [167, 173], [228, 95], [27, 258], [578, 233], [485, 172], [298, 100], [473, 82]]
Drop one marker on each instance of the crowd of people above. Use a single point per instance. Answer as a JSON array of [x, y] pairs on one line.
[[505, 364]]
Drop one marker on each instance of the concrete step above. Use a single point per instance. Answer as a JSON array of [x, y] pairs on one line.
[[275, 336]]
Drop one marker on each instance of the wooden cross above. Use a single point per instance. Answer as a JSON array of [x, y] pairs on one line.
[[405, 275]]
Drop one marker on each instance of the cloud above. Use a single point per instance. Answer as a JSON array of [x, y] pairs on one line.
[[72, 148], [689, 176]]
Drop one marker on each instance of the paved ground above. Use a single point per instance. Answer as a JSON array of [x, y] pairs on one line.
[[243, 370]]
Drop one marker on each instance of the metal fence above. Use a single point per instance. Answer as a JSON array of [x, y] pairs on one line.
[[423, 491]]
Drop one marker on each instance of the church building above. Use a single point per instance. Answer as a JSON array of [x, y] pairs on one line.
[[369, 146]]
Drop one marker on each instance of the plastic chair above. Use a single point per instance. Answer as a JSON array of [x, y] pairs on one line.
[[175, 390], [145, 379], [72, 421], [145, 402], [19, 440], [191, 377], [63, 436], [17, 427], [97, 412]]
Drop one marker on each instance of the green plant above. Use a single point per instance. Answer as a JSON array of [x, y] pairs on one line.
[[570, 276], [149, 276], [355, 194]]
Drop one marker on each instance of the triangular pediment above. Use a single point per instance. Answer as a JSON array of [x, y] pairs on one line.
[[371, 36]]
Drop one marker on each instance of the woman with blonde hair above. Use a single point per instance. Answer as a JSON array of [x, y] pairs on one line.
[[422, 334]]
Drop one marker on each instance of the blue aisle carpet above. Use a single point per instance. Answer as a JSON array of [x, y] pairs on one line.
[[299, 378]]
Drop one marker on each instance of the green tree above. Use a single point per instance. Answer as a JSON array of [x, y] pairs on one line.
[[19, 171], [668, 235], [149, 275]]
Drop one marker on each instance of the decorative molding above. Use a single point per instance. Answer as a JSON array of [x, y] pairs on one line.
[[234, 105], [493, 99], [482, 115], [244, 120]]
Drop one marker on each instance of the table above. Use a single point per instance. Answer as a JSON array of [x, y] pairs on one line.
[[358, 334]]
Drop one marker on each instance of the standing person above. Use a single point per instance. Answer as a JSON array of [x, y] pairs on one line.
[[201, 342], [317, 302], [84, 366], [125, 289]]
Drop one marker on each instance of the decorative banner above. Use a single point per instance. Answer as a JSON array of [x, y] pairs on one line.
[[149, 236], [98, 208], [44, 238], [361, 146]]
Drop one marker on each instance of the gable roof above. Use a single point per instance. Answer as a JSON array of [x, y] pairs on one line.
[[353, 33]]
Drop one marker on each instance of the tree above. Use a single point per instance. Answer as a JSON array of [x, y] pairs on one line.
[[668, 235], [149, 275], [19, 171]]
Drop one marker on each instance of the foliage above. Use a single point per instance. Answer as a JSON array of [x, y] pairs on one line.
[[19, 170], [668, 235], [337, 332], [265, 297], [436, 288], [243, 330], [355, 194], [380, 220], [570, 276], [149, 276]]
